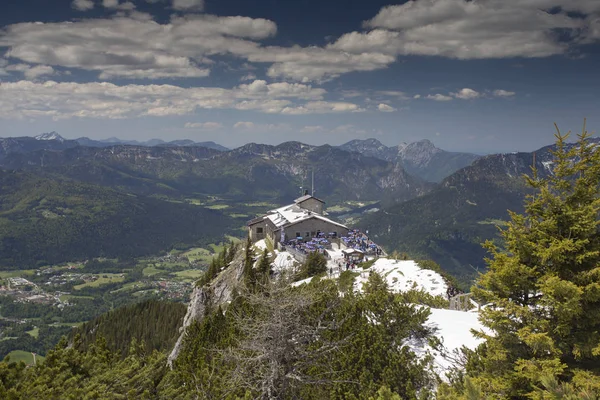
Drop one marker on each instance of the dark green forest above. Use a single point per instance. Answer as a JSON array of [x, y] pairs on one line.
[[52, 220]]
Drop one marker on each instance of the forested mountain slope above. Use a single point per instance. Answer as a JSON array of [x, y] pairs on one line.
[[47, 220], [251, 172], [449, 224]]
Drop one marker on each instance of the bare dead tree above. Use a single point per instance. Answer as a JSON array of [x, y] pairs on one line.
[[285, 337]]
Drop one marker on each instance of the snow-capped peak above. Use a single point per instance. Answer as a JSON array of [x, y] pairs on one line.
[[50, 136]]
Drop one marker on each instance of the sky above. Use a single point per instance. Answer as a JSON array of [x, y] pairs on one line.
[[481, 76]]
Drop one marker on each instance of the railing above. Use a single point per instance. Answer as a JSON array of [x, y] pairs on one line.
[[463, 302]]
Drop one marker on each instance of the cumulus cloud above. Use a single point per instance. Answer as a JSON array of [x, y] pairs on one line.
[[467, 29], [439, 97], [503, 93], [209, 126], [385, 108], [248, 77], [82, 5], [116, 5], [106, 100], [134, 46], [32, 72], [260, 88], [306, 64], [188, 5], [243, 125], [322, 107], [251, 126], [466, 94]]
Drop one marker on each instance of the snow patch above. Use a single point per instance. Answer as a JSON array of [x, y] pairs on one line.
[[402, 276], [261, 245], [454, 330], [283, 262], [50, 136]]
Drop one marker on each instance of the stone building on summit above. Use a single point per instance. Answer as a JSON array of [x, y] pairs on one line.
[[302, 219]]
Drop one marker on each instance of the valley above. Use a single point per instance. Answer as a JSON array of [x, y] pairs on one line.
[[38, 306]]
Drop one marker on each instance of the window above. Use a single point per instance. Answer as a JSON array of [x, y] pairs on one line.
[[298, 234], [307, 234], [259, 230], [312, 234]]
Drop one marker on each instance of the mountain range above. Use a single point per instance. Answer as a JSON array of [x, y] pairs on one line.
[[449, 223], [54, 140], [249, 173], [420, 158], [445, 221]]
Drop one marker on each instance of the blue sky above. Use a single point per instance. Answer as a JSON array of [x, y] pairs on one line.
[[481, 76]]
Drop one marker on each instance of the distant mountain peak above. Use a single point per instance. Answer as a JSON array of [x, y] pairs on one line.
[[420, 158], [50, 136]]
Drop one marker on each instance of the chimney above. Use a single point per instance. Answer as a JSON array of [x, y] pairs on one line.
[[306, 192]]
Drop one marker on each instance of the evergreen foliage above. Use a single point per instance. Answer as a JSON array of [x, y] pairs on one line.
[[50, 220], [543, 293], [309, 342], [223, 259], [153, 324], [315, 264]]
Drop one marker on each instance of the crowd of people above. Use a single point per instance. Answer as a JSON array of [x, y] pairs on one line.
[[316, 244], [360, 241]]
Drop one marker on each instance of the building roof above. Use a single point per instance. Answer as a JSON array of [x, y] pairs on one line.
[[306, 197], [352, 251], [292, 214]]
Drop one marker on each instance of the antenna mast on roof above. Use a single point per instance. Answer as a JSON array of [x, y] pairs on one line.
[[313, 183]]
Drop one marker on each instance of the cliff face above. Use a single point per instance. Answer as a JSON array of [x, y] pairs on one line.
[[217, 293]]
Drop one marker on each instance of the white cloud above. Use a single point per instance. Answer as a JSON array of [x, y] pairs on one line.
[[466, 94], [106, 100], [306, 64], [243, 125], [251, 126], [260, 88], [193, 5], [32, 72], [385, 108], [393, 93], [468, 29], [248, 77], [82, 5], [321, 107], [439, 97], [417, 96], [115, 4], [204, 125], [135, 47], [503, 93]]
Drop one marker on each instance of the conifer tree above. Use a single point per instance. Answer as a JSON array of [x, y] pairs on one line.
[[248, 272], [543, 291], [264, 268]]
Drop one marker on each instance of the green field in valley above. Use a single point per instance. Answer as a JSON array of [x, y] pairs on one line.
[[25, 356], [102, 280], [189, 274], [35, 332], [16, 273]]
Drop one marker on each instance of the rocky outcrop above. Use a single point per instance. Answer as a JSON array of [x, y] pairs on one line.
[[217, 293]]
